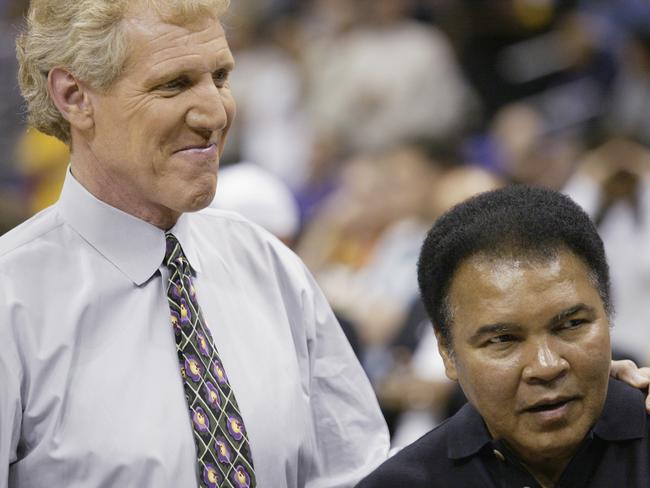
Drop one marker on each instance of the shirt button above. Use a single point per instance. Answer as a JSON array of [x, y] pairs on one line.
[[499, 456]]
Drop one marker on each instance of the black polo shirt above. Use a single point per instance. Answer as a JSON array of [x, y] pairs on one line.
[[461, 453]]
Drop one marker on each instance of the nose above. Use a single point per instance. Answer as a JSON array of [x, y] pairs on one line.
[[208, 113], [544, 362]]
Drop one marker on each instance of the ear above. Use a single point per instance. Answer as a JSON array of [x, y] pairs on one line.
[[447, 358], [71, 98]]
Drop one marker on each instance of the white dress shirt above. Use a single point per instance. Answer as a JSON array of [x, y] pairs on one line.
[[90, 388]]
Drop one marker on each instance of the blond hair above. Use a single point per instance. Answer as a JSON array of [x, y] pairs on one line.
[[87, 38]]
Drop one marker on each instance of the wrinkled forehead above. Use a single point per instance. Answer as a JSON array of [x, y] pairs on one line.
[[491, 287], [496, 273], [157, 48], [504, 272], [513, 258]]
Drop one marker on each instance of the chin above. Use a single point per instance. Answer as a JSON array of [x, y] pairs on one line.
[[200, 201], [552, 447]]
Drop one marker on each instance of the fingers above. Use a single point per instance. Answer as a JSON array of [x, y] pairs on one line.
[[625, 370]]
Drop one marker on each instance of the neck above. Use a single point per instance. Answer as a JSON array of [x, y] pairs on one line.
[[547, 477], [115, 191], [547, 471]]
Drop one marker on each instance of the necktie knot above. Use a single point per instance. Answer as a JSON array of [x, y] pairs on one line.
[[174, 256]]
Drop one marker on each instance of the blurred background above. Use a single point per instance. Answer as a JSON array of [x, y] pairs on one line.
[[361, 121]]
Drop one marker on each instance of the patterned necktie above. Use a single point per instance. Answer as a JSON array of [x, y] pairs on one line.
[[224, 456]]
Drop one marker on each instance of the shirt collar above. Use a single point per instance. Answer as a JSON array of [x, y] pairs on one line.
[[183, 232], [467, 433], [624, 416], [134, 246]]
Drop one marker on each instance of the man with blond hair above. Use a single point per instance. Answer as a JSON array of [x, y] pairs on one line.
[[144, 343]]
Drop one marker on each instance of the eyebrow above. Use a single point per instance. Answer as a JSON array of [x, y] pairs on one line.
[[511, 327], [496, 328], [580, 307]]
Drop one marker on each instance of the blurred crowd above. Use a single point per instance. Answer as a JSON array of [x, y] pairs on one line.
[[361, 121]]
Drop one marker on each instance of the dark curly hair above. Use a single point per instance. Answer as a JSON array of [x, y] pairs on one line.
[[516, 220]]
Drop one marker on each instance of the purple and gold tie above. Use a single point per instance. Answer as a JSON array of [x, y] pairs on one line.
[[223, 452]]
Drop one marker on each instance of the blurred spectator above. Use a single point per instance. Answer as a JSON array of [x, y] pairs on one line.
[[545, 53], [612, 184], [384, 80], [630, 104], [270, 129], [524, 151], [578, 90], [344, 230], [12, 209], [459, 184], [324, 164], [415, 395], [617, 18], [11, 120], [488, 32], [42, 160], [363, 245], [13, 200], [261, 197], [378, 294]]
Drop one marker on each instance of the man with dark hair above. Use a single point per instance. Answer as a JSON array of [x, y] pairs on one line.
[[517, 220], [517, 285]]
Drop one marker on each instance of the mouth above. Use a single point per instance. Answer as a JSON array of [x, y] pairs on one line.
[[200, 154], [550, 405], [552, 412], [199, 148]]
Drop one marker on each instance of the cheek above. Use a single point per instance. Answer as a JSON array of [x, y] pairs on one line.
[[158, 123], [488, 385], [492, 388], [592, 356], [230, 106]]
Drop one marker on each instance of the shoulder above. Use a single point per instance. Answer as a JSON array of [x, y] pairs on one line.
[[624, 415], [620, 395], [449, 455], [418, 465], [229, 237], [31, 243], [225, 226], [30, 231]]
